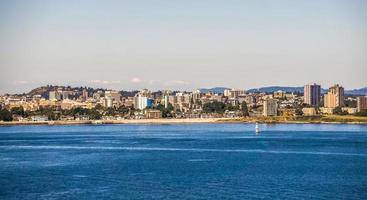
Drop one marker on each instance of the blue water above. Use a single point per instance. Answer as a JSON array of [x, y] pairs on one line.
[[196, 161]]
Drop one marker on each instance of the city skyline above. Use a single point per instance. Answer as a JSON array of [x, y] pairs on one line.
[[182, 45]]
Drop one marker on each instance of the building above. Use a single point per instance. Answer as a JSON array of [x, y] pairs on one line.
[[335, 97], [361, 103], [328, 111], [165, 101], [234, 93], [39, 118], [309, 111], [54, 95], [108, 102], [142, 100], [279, 94], [114, 95], [196, 95], [150, 103], [312, 94], [65, 94], [98, 94], [85, 94], [349, 110], [153, 114], [270, 107]]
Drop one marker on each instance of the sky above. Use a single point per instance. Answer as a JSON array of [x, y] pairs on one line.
[[171, 44]]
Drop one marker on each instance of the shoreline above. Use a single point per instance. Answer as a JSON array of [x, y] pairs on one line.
[[180, 121]]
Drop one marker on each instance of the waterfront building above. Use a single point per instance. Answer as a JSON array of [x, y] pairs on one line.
[[309, 111], [39, 118], [361, 103], [270, 107], [349, 110], [153, 114], [325, 110], [312, 94], [335, 97]]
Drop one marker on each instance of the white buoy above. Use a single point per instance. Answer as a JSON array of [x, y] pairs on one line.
[[257, 130]]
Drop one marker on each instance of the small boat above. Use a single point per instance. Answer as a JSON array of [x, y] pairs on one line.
[[257, 130]]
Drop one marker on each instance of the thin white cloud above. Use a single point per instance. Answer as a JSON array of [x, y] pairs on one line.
[[105, 82], [136, 80], [19, 82], [176, 82]]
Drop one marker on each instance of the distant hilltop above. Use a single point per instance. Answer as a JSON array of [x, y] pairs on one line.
[[271, 89], [287, 89], [219, 90]]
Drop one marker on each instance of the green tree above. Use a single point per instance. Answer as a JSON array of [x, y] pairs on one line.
[[166, 112], [361, 113], [298, 110], [110, 111], [214, 107], [5, 115], [350, 103], [19, 111], [230, 107], [123, 110], [338, 111], [99, 107], [52, 116], [94, 114], [244, 108]]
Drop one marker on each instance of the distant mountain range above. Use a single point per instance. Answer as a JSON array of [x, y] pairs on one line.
[[271, 89], [45, 89], [215, 90]]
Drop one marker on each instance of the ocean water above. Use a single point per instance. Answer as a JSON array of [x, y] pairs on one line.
[[186, 161]]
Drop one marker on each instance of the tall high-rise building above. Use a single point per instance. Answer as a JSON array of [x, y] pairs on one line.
[[270, 107], [335, 97], [196, 94], [312, 94], [142, 100], [361, 103]]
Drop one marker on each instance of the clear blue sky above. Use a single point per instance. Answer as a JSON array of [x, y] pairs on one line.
[[171, 44]]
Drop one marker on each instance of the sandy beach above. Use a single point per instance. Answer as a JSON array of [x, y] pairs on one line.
[[125, 121]]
